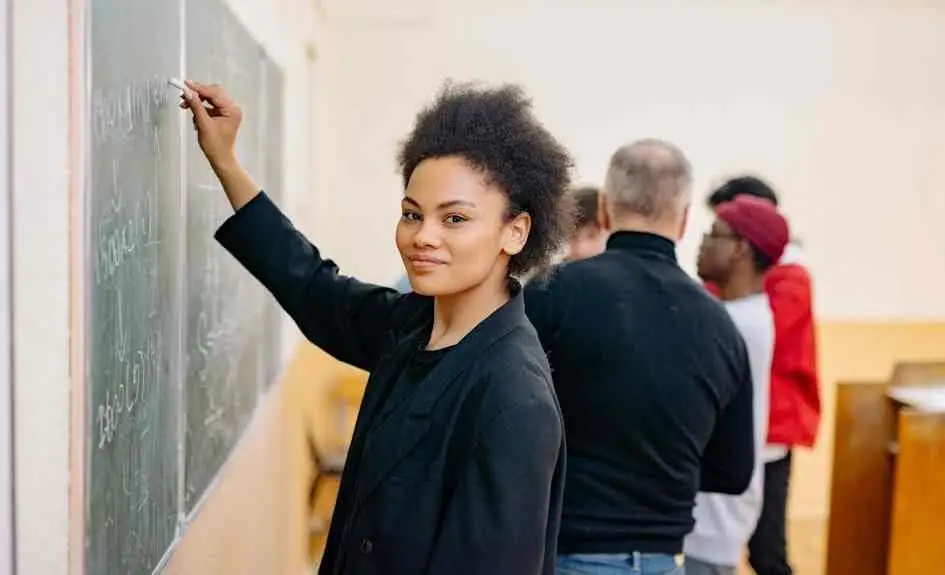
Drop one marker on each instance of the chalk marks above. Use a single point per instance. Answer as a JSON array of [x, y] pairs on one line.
[[118, 114], [133, 237], [123, 231], [136, 373]]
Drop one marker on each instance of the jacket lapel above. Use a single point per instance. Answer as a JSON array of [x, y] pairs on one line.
[[390, 441]]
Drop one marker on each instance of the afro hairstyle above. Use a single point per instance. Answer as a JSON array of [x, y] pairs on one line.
[[495, 131]]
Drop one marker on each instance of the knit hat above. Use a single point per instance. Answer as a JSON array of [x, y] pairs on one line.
[[759, 222]]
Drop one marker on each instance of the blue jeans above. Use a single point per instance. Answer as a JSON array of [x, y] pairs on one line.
[[619, 564]]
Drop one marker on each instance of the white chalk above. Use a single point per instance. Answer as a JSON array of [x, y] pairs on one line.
[[180, 86]]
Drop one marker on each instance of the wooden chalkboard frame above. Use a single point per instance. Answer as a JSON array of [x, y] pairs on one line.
[[80, 158], [79, 86]]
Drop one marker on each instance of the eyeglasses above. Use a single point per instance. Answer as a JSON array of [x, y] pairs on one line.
[[712, 234]]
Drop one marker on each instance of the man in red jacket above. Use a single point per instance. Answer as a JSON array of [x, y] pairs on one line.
[[795, 392]]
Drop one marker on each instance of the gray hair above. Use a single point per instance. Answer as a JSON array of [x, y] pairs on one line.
[[649, 178]]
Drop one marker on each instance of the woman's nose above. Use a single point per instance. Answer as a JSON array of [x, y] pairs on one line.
[[428, 235]]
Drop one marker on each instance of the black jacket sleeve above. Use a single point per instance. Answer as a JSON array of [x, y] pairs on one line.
[[729, 458], [349, 319], [498, 518]]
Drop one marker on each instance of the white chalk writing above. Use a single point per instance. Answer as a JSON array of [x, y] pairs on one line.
[[123, 231], [116, 114], [137, 369]]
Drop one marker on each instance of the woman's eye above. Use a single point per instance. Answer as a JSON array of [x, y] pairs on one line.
[[455, 219], [410, 217]]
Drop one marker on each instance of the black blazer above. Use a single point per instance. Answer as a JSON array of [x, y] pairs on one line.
[[466, 475]]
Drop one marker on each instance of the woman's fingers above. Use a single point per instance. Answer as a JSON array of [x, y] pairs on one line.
[[215, 94], [192, 100]]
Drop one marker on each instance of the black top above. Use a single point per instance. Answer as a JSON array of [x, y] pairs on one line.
[[465, 473], [417, 367], [654, 384]]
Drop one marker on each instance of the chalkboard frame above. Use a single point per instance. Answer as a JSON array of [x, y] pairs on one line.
[[81, 269], [79, 88]]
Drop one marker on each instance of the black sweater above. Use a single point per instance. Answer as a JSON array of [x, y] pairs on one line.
[[654, 384]]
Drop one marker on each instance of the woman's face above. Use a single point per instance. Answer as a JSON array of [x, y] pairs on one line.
[[453, 235]]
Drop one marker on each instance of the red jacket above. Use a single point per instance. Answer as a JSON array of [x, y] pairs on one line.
[[795, 390]]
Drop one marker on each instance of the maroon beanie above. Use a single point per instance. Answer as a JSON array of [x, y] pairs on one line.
[[759, 222]]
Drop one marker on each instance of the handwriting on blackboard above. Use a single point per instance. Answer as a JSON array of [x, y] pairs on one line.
[[116, 114], [136, 370], [125, 230]]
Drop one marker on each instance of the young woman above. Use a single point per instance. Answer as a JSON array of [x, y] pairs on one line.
[[457, 459]]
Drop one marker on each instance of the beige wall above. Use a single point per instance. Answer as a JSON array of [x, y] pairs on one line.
[[839, 103], [40, 157]]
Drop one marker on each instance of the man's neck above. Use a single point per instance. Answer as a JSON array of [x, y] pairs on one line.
[[741, 285], [633, 223]]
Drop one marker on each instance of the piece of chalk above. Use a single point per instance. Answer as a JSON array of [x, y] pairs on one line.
[[180, 86]]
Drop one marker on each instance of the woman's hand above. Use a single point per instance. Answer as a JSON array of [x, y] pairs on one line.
[[217, 120]]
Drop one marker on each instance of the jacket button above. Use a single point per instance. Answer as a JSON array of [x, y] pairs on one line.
[[366, 546]]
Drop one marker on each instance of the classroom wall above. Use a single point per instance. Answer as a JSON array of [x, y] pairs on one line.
[[6, 327], [839, 104], [43, 183], [40, 164]]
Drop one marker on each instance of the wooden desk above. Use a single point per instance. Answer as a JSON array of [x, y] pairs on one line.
[[887, 500]]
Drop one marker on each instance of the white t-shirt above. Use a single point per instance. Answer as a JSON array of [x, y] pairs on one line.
[[724, 523]]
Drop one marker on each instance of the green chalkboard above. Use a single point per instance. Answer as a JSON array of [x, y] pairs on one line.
[[179, 342], [134, 305]]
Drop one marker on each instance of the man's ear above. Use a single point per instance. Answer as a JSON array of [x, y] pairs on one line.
[[684, 223], [743, 249], [516, 234]]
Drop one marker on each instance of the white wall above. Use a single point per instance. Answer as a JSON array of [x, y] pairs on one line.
[[841, 106], [41, 283], [41, 197], [6, 328]]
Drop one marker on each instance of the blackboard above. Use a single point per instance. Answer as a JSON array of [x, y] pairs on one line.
[[133, 439], [224, 303], [179, 341]]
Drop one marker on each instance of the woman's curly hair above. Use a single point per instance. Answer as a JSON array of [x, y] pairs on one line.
[[495, 131]]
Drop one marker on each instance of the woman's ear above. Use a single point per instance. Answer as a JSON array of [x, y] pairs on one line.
[[516, 233]]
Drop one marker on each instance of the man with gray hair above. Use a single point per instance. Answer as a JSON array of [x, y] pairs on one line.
[[652, 377]]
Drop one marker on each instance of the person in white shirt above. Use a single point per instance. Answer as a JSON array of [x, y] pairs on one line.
[[748, 236]]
